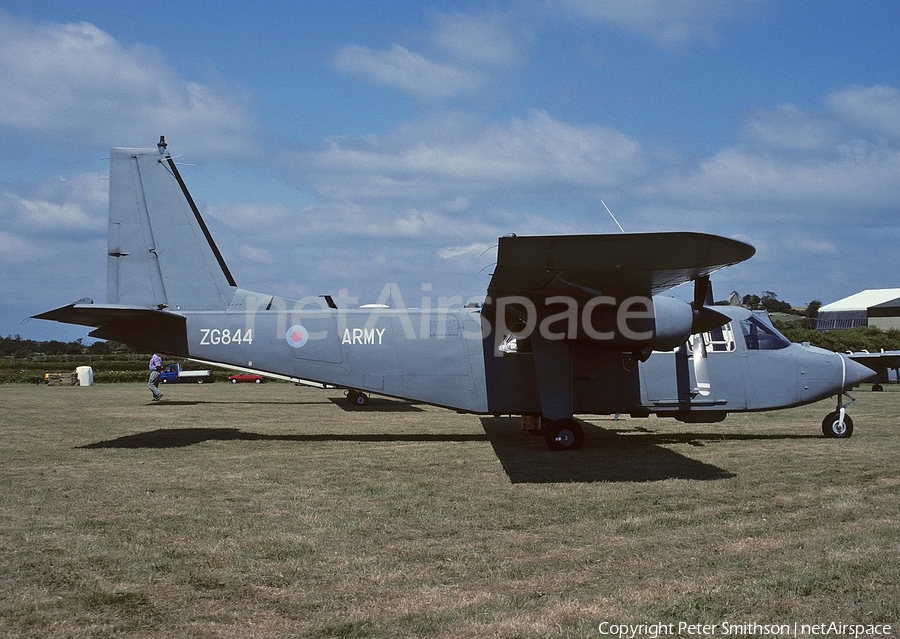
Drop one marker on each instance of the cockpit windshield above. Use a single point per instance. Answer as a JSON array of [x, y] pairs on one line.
[[760, 335]]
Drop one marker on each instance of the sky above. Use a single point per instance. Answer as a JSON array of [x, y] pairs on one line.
[[355, 145]]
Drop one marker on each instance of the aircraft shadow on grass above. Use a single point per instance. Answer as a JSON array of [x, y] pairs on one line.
[[613, 454], [181, 437], [609, 455], [375, 404]]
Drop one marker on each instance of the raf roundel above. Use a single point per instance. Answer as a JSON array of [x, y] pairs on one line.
[[296, 336]]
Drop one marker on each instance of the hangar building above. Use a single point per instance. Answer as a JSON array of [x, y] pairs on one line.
[[872, 307]]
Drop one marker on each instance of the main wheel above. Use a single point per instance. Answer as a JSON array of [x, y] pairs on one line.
[[833, 427], [234, 381], [562, 434], [357, 398]]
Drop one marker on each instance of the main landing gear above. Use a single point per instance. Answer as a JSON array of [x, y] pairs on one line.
[[357, 398], [838, 423], [558, 434]]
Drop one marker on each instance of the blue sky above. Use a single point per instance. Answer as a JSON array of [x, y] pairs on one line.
[[349, 145]]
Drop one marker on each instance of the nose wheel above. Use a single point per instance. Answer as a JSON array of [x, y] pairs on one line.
[[838, 424]]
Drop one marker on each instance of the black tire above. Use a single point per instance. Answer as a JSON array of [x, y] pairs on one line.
[[357, 398], [164, 380], [877, 387], [199, 381], [832, 427], [234, 381], [257, 381], [562, 434]]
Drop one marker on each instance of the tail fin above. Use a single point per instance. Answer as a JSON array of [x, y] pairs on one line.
[[161, 253]]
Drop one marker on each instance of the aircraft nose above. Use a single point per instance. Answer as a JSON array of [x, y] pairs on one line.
[[855, 373]]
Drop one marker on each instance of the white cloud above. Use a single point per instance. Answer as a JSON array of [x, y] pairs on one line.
[[804, 164], [412, 72], [255, 254], [57, 207], [480, 39], [860, 176], [875, 107], [464, 48], [249, 217], [527, 153], [790, 127], [667, 23], [75, 81], [450, 252], [14, 249]]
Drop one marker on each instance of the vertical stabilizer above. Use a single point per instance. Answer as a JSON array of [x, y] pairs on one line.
[[160, 252]]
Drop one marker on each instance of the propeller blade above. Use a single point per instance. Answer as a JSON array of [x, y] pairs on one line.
[[705, 318], [701, 370], [703, 295]]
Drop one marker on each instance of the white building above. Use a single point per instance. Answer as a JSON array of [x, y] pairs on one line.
[[873, 307]]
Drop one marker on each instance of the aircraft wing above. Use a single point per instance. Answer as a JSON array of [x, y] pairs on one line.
[[617, 265], [890, 359], [886, 365], [140, 327]]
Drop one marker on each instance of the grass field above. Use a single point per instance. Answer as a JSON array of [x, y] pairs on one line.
[[277, 511]]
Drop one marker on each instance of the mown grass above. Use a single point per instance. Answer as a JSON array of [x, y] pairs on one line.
[[272, 511]]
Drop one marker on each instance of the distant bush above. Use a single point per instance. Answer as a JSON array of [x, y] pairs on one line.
[[861, 338]]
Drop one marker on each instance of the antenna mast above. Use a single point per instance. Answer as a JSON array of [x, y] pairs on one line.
[[612, 216]]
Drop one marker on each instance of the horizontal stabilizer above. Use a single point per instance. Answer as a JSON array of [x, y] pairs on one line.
[[619, 265], [141, 328]]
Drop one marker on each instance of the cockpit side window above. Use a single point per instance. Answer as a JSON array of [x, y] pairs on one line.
[[762, 337]]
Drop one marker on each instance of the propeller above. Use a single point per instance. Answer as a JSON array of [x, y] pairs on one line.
[[705, 320]]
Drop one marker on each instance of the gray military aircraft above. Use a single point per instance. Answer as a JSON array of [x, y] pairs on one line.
[[570, 325]]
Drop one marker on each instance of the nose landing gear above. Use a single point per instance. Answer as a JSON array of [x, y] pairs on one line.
[[838, 424]]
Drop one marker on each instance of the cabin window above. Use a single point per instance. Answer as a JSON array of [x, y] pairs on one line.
[[762, 337], [718, 340]]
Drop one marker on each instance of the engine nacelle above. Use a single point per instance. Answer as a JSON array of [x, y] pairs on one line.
[[673, 323], [636, 324]]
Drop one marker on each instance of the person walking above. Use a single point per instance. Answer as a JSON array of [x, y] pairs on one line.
[[156, 368]]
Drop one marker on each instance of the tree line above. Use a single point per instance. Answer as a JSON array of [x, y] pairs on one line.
[[15, 346]]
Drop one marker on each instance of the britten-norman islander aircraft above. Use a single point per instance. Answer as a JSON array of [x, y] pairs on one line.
[[570, 325]]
